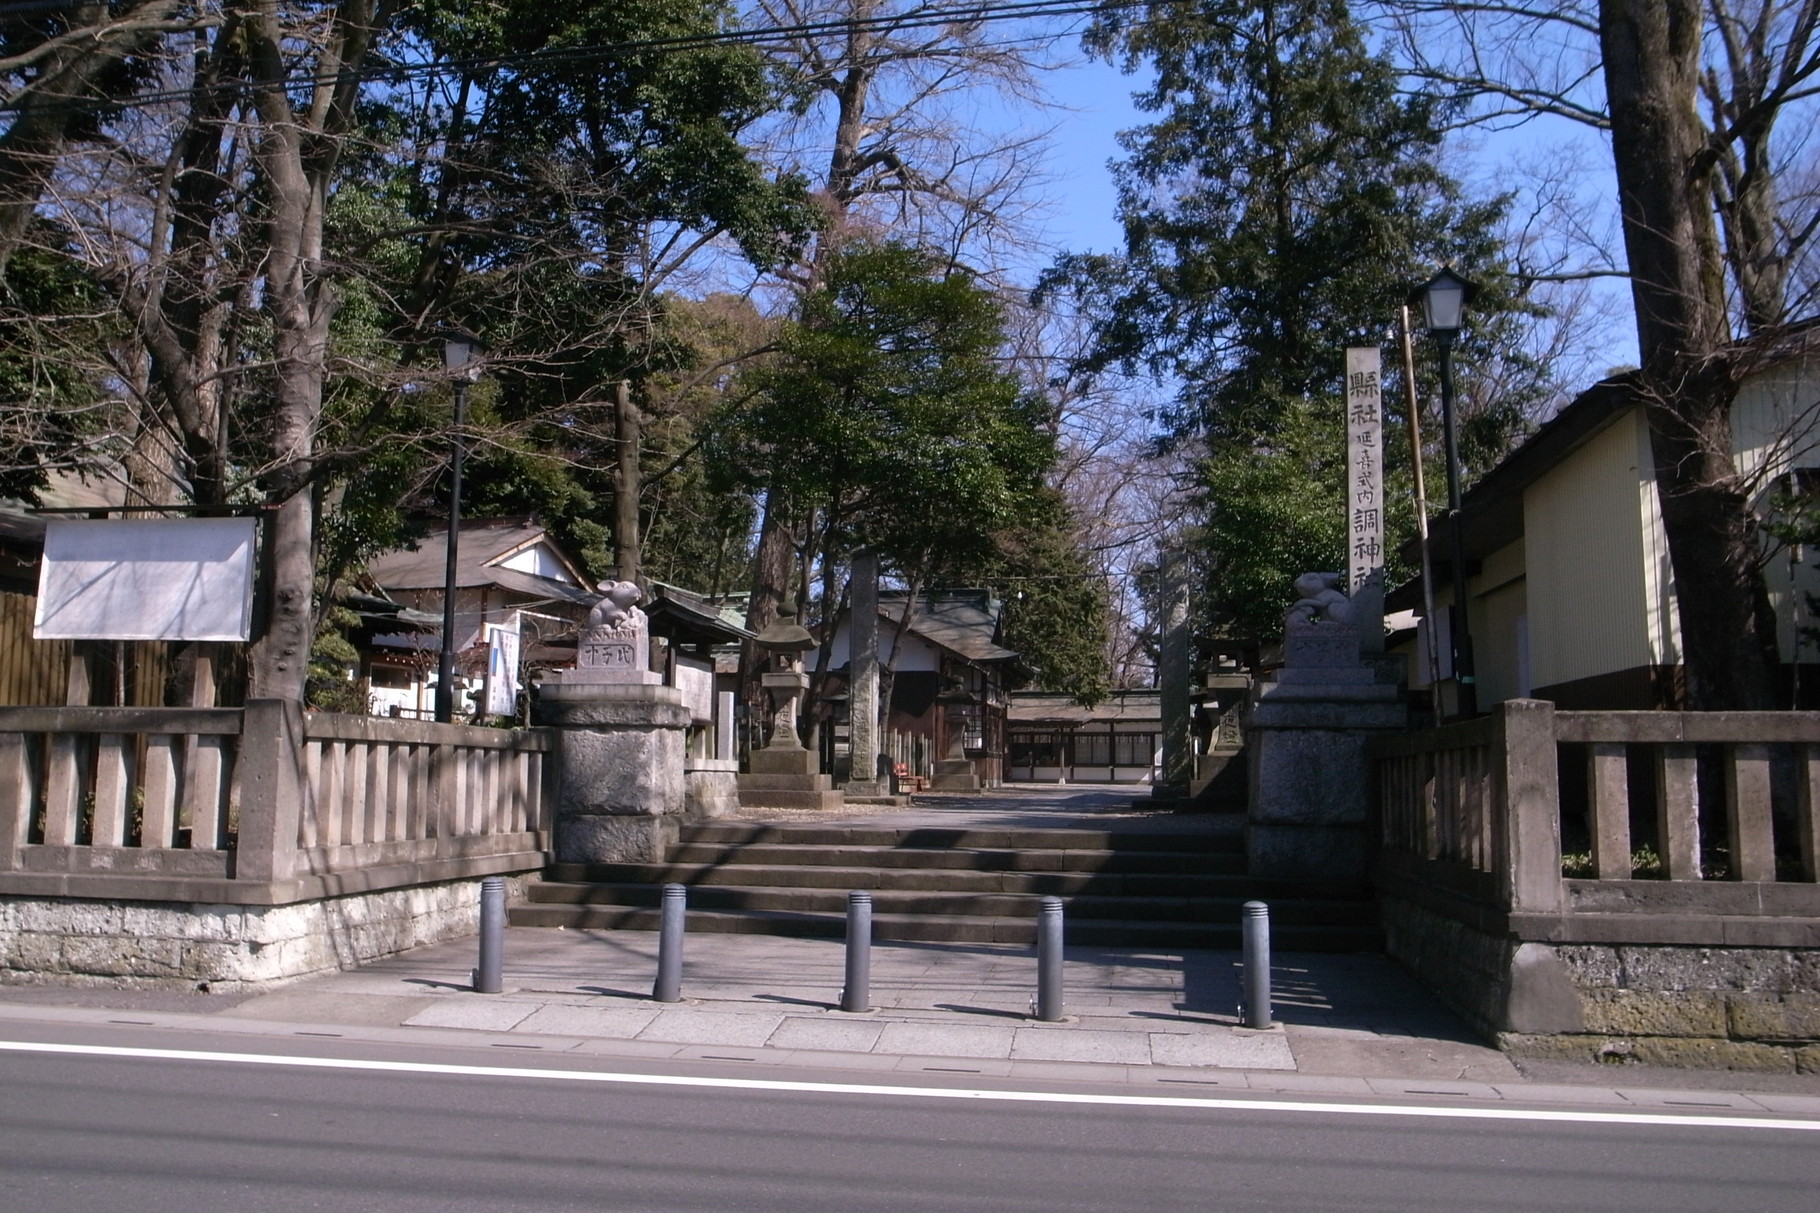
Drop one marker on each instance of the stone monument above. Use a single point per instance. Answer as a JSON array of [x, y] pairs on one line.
[[784, 774], [864, 782], [1310, 781], [622, 735]]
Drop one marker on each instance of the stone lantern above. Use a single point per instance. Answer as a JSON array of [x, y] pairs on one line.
[[784, 679], [784, 774], [955, 773]]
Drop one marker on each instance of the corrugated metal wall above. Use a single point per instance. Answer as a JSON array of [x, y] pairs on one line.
[[34, 672], [31, 671]]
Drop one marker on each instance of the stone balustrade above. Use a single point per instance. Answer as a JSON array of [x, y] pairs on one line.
[[262, 805], [1681, 925]]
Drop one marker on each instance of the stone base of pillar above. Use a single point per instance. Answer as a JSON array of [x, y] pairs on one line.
[[613, 839], [711, 787], [787, 778], [1310, 780], [620, 786], [954, 775], [775, 760]]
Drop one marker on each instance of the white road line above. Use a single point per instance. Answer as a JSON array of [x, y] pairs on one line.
[[876, 1089]]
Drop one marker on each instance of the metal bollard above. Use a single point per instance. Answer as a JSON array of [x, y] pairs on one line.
[[858, 994], [489, 974], [1049, 961], [670, 945], [1254, 1011]]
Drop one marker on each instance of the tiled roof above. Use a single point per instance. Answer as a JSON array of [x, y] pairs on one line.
[[483, 542], [1033, 707], [963, 622]]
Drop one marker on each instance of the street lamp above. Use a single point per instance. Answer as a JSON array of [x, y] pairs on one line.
[[460, 357], [1443, 299]]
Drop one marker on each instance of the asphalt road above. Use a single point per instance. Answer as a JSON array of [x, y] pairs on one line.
[[453, 1131]]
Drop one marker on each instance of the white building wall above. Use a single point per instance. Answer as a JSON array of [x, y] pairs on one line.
[[1774, 432], [539, 561], [1597, 590]]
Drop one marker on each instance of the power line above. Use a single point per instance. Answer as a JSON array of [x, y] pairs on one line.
[[568, 58]]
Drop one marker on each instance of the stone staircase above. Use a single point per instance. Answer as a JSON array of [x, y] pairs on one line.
[[1122, 888]]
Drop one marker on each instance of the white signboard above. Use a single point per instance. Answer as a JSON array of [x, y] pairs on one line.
[[1365, 468], [695, 679], [502, 666], [146, 579]]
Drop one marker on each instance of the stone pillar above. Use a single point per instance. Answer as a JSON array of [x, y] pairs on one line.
[[620, 787], [862, 682], [1310, 779], [1174, 672], [622, 741]]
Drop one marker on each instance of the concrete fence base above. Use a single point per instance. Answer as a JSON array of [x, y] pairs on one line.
[[230, 948], [1736, 1008]]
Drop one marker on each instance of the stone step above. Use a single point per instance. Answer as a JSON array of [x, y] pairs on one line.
[[954, 904], [959, 880], [771, 855], [786, 798], [786, 783], [1221, 838], [954, 928]]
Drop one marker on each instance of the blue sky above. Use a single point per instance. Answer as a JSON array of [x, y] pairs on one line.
[[1082, 200]]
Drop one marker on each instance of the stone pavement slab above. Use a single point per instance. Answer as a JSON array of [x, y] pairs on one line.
[[563, 1019], [479, 1016], [711, 1027], [1065, 1044], [945, 1040], [1236, 1050]]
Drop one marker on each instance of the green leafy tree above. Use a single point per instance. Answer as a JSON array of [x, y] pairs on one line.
[[886, 411], [1056, 612]]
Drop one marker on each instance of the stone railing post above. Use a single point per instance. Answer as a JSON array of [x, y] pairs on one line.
[[271, 780], [1527, 787], [15, 798]]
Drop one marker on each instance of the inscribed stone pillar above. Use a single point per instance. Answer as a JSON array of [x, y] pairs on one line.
[[1365, 496], [862, 690], [1174, 671]]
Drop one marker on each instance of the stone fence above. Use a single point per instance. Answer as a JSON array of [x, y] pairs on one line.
[[1681, 921], [194, 828]]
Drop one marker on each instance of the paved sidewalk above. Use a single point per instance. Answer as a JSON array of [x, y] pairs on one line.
[[948, 1001], [1347, 1024]]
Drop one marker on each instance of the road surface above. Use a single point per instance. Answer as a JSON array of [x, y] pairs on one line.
[[192, 1123]]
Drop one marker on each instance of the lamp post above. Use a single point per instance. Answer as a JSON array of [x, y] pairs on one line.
[[1443, 299], [461, 357]]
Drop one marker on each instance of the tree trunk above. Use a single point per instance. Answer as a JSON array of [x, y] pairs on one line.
[[627, 487], [1651, 63], [770, 582]]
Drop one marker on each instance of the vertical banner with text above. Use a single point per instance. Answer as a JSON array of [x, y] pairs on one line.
[[1364, 468], [502, 666]]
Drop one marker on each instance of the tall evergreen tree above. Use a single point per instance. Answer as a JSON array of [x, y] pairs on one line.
[[1278, 209]]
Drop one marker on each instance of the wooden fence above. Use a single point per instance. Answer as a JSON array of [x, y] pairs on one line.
[[259, 805]]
